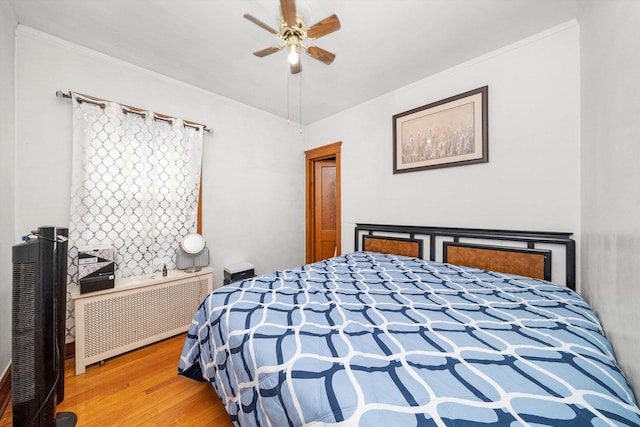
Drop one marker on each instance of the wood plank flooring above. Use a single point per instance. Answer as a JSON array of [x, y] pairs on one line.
[[140, 388]]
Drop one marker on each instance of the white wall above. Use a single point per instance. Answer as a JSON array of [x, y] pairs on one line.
[[253, 166], [610, 40], [7, 124], [532, 180]]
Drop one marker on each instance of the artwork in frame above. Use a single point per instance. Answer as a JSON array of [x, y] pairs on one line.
[[450, 132]]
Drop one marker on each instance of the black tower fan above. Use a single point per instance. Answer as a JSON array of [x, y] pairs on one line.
[[38, 316]]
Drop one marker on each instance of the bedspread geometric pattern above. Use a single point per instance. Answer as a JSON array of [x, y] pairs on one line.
[[368, 339]]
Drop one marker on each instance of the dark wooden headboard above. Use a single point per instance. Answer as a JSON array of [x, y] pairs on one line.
[[525, 253]]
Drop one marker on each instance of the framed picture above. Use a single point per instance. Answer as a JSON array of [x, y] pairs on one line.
[[450, 132]]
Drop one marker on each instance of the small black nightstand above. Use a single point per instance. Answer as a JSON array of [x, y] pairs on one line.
[[239, 271]]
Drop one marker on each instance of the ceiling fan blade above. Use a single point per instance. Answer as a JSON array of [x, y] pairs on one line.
[[296, 68], [327, 26], [259, 23], [267, 51], [321, 54], [289, 12]]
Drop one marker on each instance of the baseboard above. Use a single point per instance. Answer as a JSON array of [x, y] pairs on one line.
[[5, 391]]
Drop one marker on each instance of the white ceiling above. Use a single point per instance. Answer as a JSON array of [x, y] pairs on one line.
[[382, 45]]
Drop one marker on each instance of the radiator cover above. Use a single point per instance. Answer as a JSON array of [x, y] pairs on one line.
[[136, 312]]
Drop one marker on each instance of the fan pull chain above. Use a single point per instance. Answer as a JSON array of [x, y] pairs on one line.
[[300, 105], [288, 98]]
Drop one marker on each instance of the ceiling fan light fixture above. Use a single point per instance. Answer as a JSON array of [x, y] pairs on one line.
[[293, 32], [293, 56]]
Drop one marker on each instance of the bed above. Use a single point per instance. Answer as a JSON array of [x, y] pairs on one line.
[[382, 337]]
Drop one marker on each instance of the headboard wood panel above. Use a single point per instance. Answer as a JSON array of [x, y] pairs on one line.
[[523, 262], [524, 253], [393, 245]]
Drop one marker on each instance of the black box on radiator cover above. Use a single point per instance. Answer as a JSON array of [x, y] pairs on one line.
[[96, 269], [239, 271]]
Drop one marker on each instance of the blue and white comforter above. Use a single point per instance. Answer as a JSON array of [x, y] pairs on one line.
[[368, 339]]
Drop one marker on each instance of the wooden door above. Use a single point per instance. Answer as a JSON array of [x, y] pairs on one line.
[[323, 202], [325, 209]]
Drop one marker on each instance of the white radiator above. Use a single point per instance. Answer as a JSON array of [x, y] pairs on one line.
[[136, 312]]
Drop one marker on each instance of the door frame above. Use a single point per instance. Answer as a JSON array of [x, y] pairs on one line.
[[331, 151]]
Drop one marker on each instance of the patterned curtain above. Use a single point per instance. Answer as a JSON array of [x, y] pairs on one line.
[[134, 187]]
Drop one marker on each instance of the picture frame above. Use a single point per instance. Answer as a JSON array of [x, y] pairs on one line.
[[450, 132]]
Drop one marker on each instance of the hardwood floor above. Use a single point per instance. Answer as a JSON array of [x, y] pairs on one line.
[[140, 388]]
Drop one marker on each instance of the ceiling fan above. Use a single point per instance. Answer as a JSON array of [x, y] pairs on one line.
[[293, 31]]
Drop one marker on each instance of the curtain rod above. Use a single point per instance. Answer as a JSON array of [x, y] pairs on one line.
[[129, 109]]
